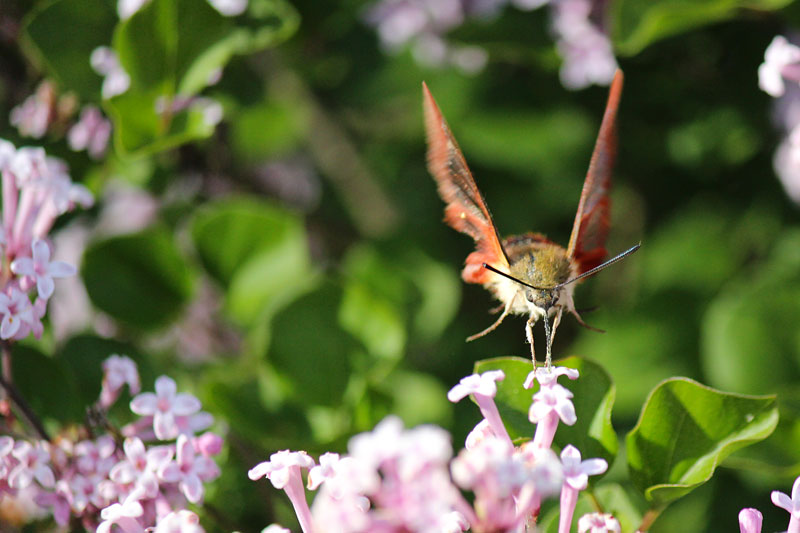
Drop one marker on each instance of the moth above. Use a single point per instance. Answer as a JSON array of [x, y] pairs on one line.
[[530, 274]]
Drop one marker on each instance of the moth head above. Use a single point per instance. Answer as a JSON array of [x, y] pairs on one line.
[[542, 298]]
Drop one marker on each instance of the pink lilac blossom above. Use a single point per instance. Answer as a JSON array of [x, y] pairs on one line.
[[118, 370], [105, 62], [483, 389], [38, 267], [782, 64], [34, 115], [552, 403], [182, 521], [576, 479], [790, 504], [142, 486], [165, 406], [598, 523], [583, 45], [420, 25], [750, 521], [91, 133], [781, 61]]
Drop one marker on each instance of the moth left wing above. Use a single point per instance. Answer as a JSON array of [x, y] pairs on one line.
[[466, 210], [587, 243]]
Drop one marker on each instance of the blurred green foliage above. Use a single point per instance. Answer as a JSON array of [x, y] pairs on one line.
[[341, 284]]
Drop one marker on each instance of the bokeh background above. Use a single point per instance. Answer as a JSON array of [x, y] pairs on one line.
[[266, 231]]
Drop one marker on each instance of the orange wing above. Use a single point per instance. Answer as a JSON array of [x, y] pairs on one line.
[[466, 209], [587, 244]]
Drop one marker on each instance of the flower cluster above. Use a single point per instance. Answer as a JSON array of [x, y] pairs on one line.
[[45, 112], [36, 190], [781, 65], [577, 25], [396, 480], [145, 481]]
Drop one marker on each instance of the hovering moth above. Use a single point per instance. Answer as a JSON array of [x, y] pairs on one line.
[[531, 275]]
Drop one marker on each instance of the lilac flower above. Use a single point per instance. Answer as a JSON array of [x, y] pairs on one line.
[[59, 500], [140, 466], [91, 133], [598, 523], [283, 470], [275, 528], [182, 521], [105, 62], [548, 376], [40, 268], [34, 116], [208, 444], [96, 457], [483, 389], [229, 8], [118, 370], [550, 404], [781, 60], [189, 470], [790, 504], [326, 469], [481, 431], [124, 515], [126, 8], [586, 49], [576, 478], [18, 317], [164, 406], [33, 464], [750, 521]]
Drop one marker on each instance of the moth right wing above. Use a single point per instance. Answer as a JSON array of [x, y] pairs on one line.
[[466, 209], [587, 244]]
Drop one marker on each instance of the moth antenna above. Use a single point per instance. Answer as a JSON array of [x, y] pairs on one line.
[[598, 268], [512, 278], [587, 309]]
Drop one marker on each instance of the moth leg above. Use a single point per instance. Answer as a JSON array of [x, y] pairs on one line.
[[584, 324], [551, 335], [495, 310], [529, 335], [496, 323]]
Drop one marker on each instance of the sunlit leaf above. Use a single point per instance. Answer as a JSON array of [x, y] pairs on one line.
[[686, 429]]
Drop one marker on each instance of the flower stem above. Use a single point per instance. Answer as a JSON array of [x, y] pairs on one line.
[[649, 517]]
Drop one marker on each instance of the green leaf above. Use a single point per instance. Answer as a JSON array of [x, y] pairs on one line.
[[685, 430], [308, 349], [47, 384], [373, 305], [84, 356], [141, 131], [230, 232], [743, 353], [268, 129], [52, 37], [140, 279], [639, 23], [267, 23], [593, 398], [257, 249]]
